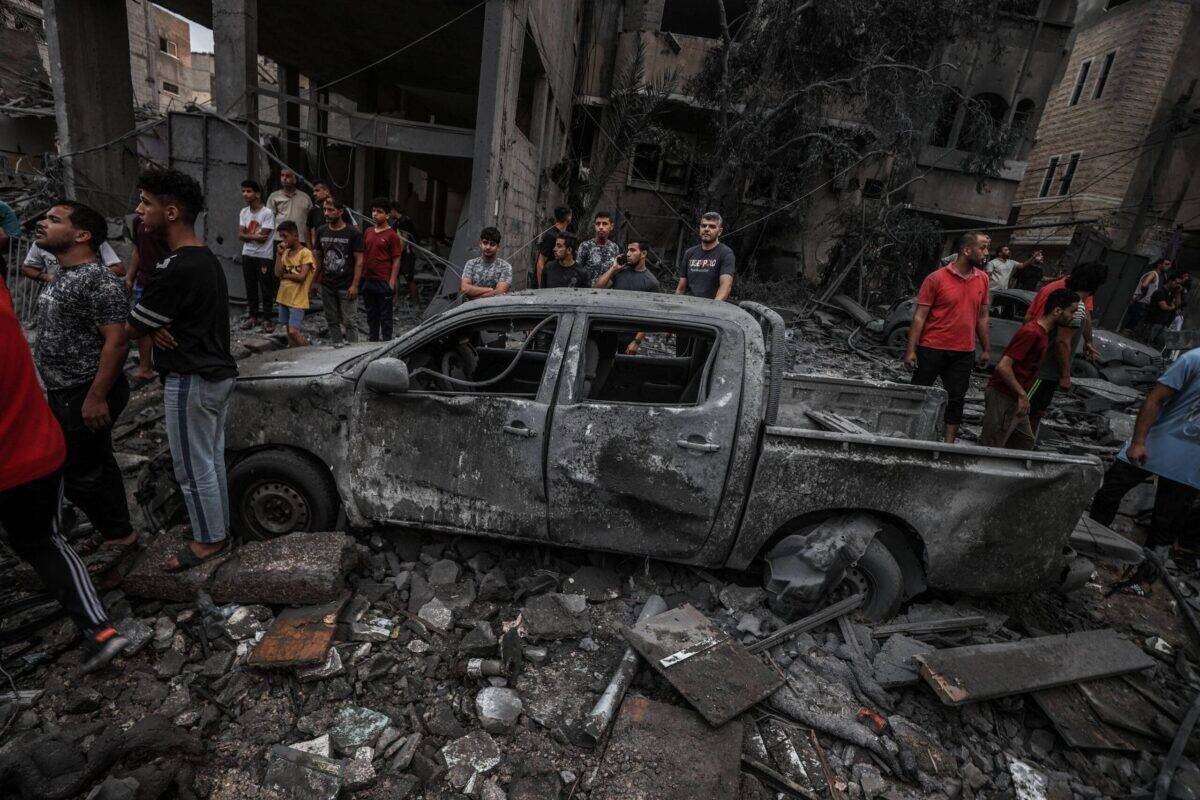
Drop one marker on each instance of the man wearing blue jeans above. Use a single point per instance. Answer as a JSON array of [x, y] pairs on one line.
[[185, 309]]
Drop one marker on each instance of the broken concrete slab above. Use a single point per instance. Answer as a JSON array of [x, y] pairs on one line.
[[329, 668], [355, 727], [549, 617], [477, 750], [716, 675], [653, 754], [983, 672], [299, 636], [895, 665], [300, 568], [437, 615], [302, 776], [498, 709]]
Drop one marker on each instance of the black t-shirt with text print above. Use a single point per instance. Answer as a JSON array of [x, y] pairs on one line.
[[703, 269]]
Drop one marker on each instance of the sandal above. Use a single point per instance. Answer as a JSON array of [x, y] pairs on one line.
[[108, 556], [185, 559]]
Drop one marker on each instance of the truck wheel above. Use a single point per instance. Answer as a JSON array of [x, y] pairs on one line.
[[1082, 368], [276, 492], [897, 340], [877, 573]]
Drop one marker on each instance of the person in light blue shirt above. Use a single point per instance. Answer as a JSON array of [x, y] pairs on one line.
[[1165, 443], [10, 226]]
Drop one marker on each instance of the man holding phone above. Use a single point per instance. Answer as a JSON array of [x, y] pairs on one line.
[[629, 273]]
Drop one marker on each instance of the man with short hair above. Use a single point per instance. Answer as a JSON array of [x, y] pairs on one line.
[[406, 229], [31, 488], [340, 264], [709, 267], [316, 214], [290, 202], [1006, 400], [1003, 268], [1164, 305], [1165, 443], [1055, 373], [564, 272], [185, 310], [487, 275], [256, 232], [80, 354], [548, 241], [951, 315], [1148, 284], [148, 250], [632, 276], [382, 251], [598, 253]]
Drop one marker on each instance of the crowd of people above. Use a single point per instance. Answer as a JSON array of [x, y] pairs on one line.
[[951, 324]]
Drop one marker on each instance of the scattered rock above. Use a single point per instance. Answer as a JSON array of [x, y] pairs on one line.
[[82, 701], [479, 641], [332, 666], [477, 750], [498, 709], [359, 772], [297, 774], [321, 746], [546, 616], [437, 615], [596, 584], [355, 727], [442, 573]]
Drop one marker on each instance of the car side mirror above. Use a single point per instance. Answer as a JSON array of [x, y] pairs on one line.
[[386, 376]]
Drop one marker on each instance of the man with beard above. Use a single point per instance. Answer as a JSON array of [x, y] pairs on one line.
[[340, 266]]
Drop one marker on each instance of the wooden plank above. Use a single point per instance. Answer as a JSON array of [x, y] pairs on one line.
[[982, 672], [836, 423], [928, 626], [663, 752], [299, 636], [814, 620], [1079, 726], [718, 676]]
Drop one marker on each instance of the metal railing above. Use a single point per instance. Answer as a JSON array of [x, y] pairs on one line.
[[24, 291]]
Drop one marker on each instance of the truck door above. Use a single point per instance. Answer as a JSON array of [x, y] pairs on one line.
[[463, 448], [640, 444]]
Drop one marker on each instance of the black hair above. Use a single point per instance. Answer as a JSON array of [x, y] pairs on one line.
[[382, 203], [966, 240], [320, 182], [1060, 298], [562, 213], [1158, 262], [1088, 276], [640, 244], [174, 188], [490, 234], [338, 203], [395, 206], [249, 184], [570, 241], [1174, 275], [86, 218], [287, 226], [604, 215]]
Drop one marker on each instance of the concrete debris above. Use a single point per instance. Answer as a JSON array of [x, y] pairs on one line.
[[596, 584], [437, 615], [554, 616], [498, 709], [359, 771], [477, 751], [321, 746], [332, 666], [895, 665], [299, 775]]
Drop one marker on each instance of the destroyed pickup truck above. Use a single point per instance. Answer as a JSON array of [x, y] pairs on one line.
[[531, 417]]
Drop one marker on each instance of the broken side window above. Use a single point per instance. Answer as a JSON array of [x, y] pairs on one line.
[[670, 366], [500, 355]]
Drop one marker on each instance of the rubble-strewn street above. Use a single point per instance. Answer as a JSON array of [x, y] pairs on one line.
[[404, 664]]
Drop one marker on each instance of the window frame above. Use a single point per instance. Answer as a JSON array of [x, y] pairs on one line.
[[640, 321], [1052, 165], [166, 44], [1085, 68], [636, 180], [1105, 73], [174, 92], [1068, 176]]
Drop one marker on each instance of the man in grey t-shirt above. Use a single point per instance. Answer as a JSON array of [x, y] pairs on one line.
[[632, 276], [709, 267]]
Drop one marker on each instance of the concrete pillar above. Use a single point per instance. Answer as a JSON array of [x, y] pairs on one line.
[[235, 64], [81, 73], [289, 114]]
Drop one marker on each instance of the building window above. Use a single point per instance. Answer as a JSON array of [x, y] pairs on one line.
[[1077, 92], [170, 88], [1102, 78], [1048, 180], [651, 168], [1064, 185], [169, 47]]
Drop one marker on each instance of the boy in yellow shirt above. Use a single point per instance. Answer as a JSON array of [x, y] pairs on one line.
[[295, 267]]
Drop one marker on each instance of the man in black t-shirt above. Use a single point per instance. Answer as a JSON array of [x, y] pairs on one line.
[[708, 268], [339, 263], [564, 272], [1164, 304], [545, 245], [186, 311]]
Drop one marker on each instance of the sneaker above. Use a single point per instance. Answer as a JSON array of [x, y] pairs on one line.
[[268, 327], [102, 646]]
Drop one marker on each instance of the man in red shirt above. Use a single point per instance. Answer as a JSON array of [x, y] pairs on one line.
[[382, 250], [1055, 373], [952, 312], [1006, 405], [31, 487]]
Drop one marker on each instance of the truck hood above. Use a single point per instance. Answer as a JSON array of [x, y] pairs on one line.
[[301, 362]]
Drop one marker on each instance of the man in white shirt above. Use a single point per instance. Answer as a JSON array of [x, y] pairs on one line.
[[256, 226], [1001, 268], [42, 266]]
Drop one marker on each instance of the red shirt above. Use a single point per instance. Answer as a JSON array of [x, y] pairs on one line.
[[1039, 299], [1027, 349], [954, 303], [379, 249], [31, 442]]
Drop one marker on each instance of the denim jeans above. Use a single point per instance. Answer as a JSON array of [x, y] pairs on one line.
[[195, 417], [340, 311]]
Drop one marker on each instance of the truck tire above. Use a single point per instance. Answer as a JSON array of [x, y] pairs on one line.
[[1082, 368], [276, 492], [877, 573], [897, 340]]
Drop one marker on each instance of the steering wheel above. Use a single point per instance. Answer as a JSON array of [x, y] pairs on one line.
[[458, 363]]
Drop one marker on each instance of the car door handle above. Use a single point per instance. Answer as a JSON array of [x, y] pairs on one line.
[[695, 443], [519, 428]]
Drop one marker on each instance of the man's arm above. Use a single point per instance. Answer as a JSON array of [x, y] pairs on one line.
[[298, 277], [606, 278], [467, 287], [395, 274], [352, 293], [112, 358], [914, 334], [135, 264], [681, 287], [724, 288], [1005, 370], [279, 262], [1062, 353], [983, 330], [1147, 416], [541, 265]]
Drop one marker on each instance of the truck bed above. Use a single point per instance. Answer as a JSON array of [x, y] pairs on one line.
[[895, 410], [986, 520]]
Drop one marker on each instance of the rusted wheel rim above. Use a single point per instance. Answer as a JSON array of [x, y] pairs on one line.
[[276, 508]]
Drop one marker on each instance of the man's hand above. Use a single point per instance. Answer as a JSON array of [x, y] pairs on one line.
[[392, 284], [1022, 406], [352, 292], [1090, 352], [632, 348], [1137, 454], [95, 413], [1064, 383], [910, 359], [163, 339], [985, 358]]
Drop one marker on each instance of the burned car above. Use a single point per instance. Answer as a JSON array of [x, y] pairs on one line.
[[522, 417]]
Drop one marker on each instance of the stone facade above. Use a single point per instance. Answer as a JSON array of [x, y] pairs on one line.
[[160, 55]]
